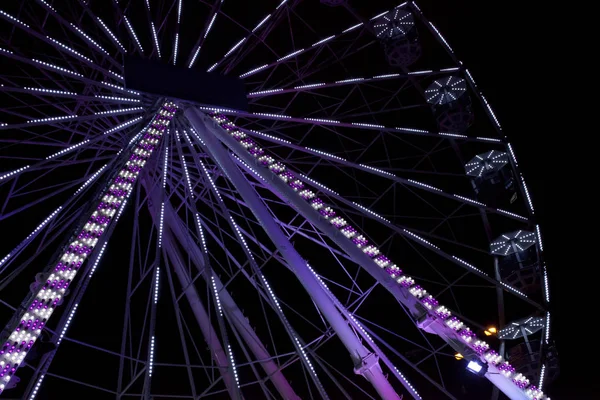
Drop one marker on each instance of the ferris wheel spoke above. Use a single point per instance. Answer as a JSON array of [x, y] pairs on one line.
[[41, 92], [382, 173], [215, 10], [221, 353], [275, 304], [294, 54], [61, 47], [445, 331], [374, 376], [40, 199], [100, 53], [328, 122], [264, 27]]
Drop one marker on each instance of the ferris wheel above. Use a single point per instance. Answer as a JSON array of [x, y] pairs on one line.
[[285, 200]]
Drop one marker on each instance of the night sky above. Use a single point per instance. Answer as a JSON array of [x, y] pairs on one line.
[[509, 50]]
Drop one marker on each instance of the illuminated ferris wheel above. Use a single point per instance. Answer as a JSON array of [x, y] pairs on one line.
[[300, 199]]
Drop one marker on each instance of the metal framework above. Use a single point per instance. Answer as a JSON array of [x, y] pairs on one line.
[[183, 251]]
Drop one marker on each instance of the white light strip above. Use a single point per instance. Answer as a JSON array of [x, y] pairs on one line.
[[323, 40], [176, 48], [115, 98], [470, 77], [160, 229], [513, 289], [194, 57], [261, 23], [292, 54], [47, 5], [379, 15], [421, 239], [202, 239], [377, 170], [156, 285], [98, 258], [68, 149], [151, 363], [326, 121], [90, 180], [539, 237], [37, 387], [372, 213], [238, 44], [270, 136], [123, 125], [212, 278], [179, 5], [468, 265], [90, 40], [119, 111], [212, 21], [256, 93], [112, 36], [318, 184], [132, 32], [70, 50], [424, 185], [352, 28], [64, 330], [112, 85], [527, 195], [420, 72], [546, 286], [491, 111], [155, 39], [489, 139], [165, 170], [386, 76], [470, 200], [7, 15], [312, 85], [351, 80], [453, 135], [56, 67], [11, 173], [512, 154], [231, 360], [368, 125], [542, 376], [441, 37], [252, 71], [325, 154]]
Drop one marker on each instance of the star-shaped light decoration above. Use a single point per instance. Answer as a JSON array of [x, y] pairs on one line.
[[491, 161], [516, 329], [394, 24], [514, 242], [445, 90]]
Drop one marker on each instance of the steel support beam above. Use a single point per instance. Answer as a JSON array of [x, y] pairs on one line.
[[365, 361]]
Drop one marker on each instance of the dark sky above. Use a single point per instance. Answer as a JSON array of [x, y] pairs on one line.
[[517, 60]]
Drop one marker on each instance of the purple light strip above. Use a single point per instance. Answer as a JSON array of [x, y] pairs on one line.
[[39, 309], [451, 325]]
